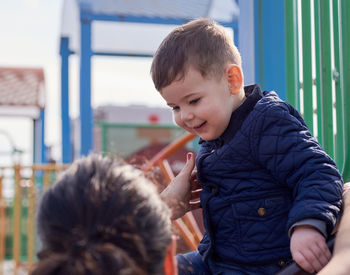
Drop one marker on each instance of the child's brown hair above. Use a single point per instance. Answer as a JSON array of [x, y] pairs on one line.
[[201, 43]]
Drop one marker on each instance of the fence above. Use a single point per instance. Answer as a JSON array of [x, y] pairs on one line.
[[22, 186], [20, 190], [126, 139], [317, 39]]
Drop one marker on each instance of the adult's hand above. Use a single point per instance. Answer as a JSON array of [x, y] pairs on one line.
[[182, 194]]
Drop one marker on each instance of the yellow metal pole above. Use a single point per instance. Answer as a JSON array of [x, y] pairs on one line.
[[48, 167], [17, 218], [16, 234], [46, 179]]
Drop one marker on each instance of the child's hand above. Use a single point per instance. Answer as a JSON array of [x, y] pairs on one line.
[[182, 194], [309, 248]]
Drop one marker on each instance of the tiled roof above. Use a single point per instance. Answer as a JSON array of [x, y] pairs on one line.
[[22, 87]]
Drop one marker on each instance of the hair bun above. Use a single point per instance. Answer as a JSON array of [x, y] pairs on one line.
[[79, 247], [84, 258], [50, 263]]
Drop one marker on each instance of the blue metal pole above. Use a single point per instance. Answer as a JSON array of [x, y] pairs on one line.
[[270, 45], [86, 119], [36, 141], [134, 19], [42, 136], [66, 141]]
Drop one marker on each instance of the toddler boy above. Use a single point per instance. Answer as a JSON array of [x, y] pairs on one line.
[[269, 191]]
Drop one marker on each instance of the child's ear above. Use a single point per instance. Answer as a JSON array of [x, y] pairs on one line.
[[234, 78]]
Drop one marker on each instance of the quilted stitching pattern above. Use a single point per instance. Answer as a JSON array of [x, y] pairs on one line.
[[273, 157]]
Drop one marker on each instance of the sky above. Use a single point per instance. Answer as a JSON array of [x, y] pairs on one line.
[[29, 33]]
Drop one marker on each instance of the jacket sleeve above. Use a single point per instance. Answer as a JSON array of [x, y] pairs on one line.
[[285, 147]]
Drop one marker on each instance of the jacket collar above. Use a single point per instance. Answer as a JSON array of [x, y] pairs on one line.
[[253, 94]]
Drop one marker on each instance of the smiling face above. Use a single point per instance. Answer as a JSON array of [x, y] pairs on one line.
[[203, 105]]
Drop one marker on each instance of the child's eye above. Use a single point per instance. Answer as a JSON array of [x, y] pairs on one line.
[[194, 101], [175, 108]]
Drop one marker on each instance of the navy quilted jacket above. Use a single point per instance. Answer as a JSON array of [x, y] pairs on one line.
[[265, 173]]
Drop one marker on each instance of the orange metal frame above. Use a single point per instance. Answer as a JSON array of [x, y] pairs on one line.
[[187, 225]]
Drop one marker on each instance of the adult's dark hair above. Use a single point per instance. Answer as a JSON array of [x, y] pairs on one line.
[[202, 44], [102, 217]]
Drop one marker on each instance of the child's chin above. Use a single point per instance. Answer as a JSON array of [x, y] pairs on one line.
[[206, 138]]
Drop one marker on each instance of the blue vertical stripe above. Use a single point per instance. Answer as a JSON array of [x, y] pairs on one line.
[[66, 131], [270, 45], [86, 123]]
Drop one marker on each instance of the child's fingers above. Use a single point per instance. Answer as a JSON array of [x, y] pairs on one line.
[[311, 259], [302, 261], [309, 249], [325, 250], [321, 254]]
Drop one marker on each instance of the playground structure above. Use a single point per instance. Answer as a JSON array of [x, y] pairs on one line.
[[17, 217], [17, 214], [22, 93], [300, 48], [95, 28], [318, 72]]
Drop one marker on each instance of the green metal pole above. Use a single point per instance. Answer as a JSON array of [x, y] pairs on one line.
[[104, 138], [339, 137], [317, 80], [326, 77], [307, 63], [345, 81], [291, 38]]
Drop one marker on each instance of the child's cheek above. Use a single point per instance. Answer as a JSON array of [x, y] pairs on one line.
[[181, 124], [178, 120]]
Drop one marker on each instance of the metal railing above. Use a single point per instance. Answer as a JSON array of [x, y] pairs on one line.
[[318, 71], [20, 190]]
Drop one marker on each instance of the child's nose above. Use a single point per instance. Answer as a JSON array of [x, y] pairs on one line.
[[186, 115]]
